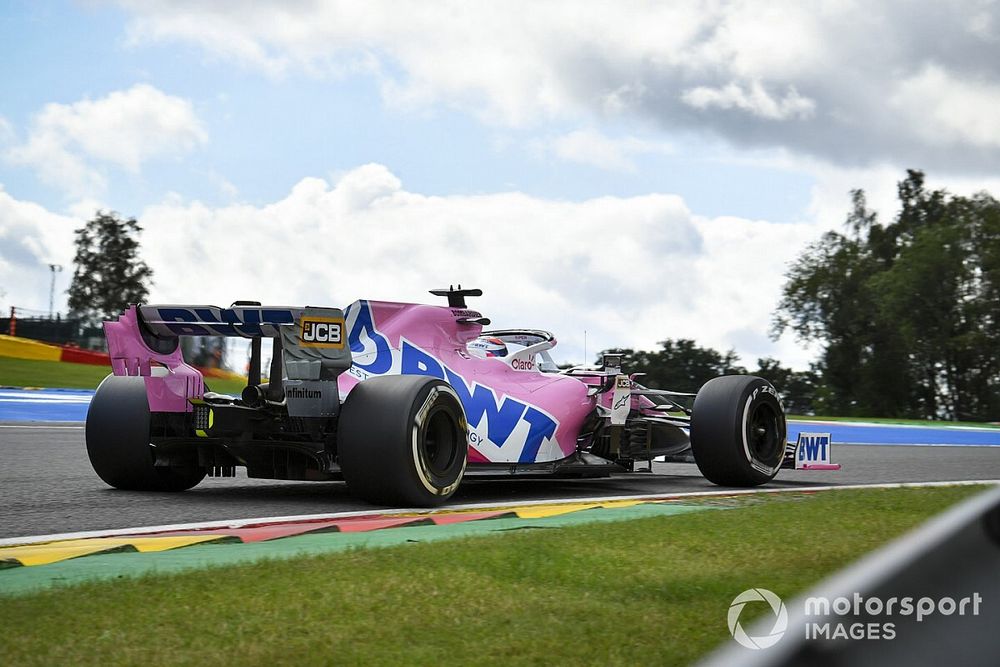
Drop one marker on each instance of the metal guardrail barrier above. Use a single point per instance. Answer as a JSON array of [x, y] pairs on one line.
[[949, 569]]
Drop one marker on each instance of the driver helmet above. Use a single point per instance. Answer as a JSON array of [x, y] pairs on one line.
[[488, 346]]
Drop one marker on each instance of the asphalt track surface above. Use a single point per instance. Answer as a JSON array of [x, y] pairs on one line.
[[47, 485]]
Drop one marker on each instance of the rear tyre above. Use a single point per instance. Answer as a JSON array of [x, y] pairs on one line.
[[402, 440], [738, 431], [118, 440]]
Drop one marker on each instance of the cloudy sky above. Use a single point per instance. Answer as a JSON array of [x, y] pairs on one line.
[[635, 170]]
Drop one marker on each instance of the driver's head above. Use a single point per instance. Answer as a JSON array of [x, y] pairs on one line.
[[488, 346]]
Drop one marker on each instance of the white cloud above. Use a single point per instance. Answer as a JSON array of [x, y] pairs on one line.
[[590, 147], [67, 143], [84, 209], [948, 110], [57, 165], [31, 238], [6, 130], [752, 98], [829, 198], [814, 77], [629, 271], [225, 187]]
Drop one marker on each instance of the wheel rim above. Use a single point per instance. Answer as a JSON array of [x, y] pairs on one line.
[[764, 436], [440, 442]]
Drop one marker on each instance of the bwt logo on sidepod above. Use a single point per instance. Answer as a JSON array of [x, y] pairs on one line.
[[502, 427]]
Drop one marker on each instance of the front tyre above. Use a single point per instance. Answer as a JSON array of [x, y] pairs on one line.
[[738, 431], [118, 440], [402, 440]]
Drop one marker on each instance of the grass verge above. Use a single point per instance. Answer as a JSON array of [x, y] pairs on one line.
[[648, 591], [60, 374]]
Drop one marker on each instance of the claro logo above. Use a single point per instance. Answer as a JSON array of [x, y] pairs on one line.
[[322, 332]]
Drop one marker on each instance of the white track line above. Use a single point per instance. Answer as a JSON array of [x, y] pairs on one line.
[[263, 521]]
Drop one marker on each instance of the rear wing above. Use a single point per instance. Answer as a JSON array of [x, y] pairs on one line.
[[244, 320], [309, 346]]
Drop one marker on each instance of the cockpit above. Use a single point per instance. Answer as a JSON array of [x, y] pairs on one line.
[[521, 349]]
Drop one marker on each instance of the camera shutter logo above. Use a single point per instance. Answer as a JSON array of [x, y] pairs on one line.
[[777, 607]]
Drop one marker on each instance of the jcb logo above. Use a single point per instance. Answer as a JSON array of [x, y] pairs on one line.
[[322, 332]]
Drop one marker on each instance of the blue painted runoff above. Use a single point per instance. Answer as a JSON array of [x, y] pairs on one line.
[[44, 405], [858, 433]]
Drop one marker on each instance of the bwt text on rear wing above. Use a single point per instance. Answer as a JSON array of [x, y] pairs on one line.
[[243, 319]]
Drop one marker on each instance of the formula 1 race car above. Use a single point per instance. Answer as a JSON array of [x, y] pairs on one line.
[[402, 401]]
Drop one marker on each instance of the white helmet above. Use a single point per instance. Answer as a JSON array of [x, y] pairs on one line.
[[487, 346]]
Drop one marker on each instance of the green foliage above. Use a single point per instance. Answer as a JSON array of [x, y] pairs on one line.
[[799, 390], [683, 365], [679, 365], [108, 273], [908, 311]]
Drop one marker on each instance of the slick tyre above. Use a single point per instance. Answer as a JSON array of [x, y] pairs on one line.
[[402, 440], [738, 431], [118, 444]]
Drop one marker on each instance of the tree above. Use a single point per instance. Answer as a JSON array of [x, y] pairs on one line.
[[907, 312], [682, 365], [679, 365], [108, 273], [800, 390], [944, 305], [828, 297]]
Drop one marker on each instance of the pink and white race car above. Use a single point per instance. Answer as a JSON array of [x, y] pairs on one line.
[[403, 401]]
